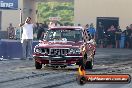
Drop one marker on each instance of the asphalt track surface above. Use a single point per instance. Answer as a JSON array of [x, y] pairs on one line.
[[15, 73]]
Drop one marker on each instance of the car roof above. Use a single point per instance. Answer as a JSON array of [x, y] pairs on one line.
[[66, 28]]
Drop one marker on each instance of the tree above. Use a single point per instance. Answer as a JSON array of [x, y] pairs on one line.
[[64, 10]]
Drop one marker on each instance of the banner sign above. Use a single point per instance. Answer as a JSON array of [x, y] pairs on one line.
[[9, 4], [55, 18]]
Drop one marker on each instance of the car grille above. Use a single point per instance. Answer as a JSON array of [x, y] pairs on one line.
[[45, 51], [59, 51]]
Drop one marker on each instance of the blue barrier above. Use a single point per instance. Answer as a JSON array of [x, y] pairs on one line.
[[122, 42], [12, 48], [1, 53]]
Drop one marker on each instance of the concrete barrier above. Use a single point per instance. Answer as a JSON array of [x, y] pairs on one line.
[[12, 48], [3, 35]]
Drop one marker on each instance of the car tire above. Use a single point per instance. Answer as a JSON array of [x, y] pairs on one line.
[[89, 65], [81, 80], [38, 65]]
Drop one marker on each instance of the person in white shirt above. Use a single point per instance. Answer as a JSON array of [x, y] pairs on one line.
[[27, 37]]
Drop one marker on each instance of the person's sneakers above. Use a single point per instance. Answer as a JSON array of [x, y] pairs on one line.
[[30, 58]]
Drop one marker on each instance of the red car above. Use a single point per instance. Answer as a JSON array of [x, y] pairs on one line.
[[64, 46]]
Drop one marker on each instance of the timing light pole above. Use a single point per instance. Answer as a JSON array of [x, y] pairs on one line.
[[20, 23]]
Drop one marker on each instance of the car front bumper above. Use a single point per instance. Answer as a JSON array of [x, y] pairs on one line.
[[57, 60]]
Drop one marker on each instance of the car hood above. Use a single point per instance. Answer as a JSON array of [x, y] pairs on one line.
[[66, 44]]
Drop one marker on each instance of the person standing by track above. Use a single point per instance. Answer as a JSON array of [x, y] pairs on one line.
[[27, 38]]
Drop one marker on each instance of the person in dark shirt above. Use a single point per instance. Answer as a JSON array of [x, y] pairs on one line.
[[100, 33], [41, 31], [118, 32], [130, 36], [111, 36], [128, 33], [11, 31], [45, 25]]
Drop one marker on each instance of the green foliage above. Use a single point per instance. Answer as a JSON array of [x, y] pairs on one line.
[[55, 9]]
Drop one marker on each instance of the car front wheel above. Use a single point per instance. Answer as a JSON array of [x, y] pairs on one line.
[[38, 65], [89, 65]]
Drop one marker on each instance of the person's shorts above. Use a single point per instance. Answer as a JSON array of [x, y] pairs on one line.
[[111, 41], [128, 39]]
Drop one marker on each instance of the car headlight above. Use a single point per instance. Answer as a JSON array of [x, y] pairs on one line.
[[78, 51], [75, 51], [38, 50]]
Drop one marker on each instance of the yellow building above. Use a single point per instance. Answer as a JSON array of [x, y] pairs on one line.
[[9, 16], [86, 12], [92, 11]]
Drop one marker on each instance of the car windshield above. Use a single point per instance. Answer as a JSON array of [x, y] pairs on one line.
[[64, 35]]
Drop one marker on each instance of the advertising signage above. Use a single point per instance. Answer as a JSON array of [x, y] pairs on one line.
[[8, 4]]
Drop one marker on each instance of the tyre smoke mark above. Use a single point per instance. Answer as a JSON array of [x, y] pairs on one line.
[[59, 84], [27, 77]]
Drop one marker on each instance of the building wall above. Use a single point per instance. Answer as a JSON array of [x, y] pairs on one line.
[[28, 9], [86, 11], [11, 16]]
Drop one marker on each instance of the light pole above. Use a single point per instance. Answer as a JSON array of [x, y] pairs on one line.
[[20, 23]]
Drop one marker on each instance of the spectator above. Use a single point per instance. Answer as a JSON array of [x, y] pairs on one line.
[[11, 31], [35, 29], [45, 26], [78, 24], [86, 34], [92, 31], [111, 36], [57, 23], [127, 33], [131, 36], [122, 42], [87, 26], [41, 31], [51, 24], [100, 34], [118, 32], [27, 37]]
